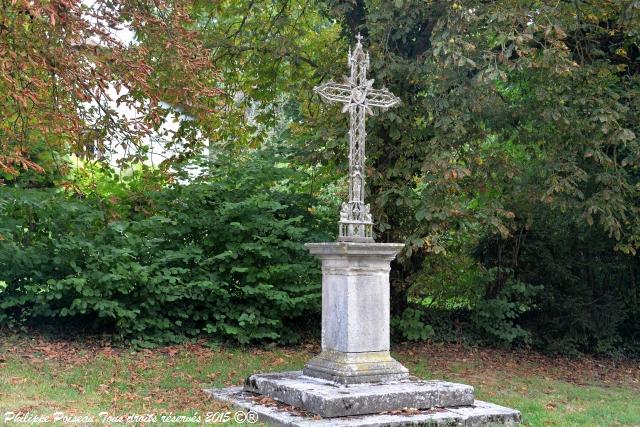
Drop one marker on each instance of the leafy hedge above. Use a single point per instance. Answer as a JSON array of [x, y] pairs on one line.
[[222, 256]]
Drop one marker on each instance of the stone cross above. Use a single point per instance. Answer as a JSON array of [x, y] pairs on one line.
[[359, 97], [355, 374]]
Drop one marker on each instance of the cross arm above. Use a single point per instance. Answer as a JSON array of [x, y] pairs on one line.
[[334, 92], [382, 98]]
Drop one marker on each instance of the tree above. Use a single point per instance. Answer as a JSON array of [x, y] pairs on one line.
[[503, 102], [270, 55], [62, 61]]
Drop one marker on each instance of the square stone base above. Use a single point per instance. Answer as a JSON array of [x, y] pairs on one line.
[[277, 414], [330, 399], [355, 368]]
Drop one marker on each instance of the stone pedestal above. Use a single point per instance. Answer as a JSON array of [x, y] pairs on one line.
[[354, 381], [355, 314]]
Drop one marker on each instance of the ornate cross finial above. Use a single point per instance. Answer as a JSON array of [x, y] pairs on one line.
[[358, 96]]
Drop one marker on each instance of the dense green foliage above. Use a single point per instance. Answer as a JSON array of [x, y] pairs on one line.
[[589, 297], [221, 256]]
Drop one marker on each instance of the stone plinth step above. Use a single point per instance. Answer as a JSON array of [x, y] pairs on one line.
[[354, 368], [475, 415], [329, 399]]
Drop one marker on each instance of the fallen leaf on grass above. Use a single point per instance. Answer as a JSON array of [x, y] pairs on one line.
[[26, 409], [572, 408], [78, 388], [17, 380], [130, 396], [108, 352], [311, 347], [278, 361]]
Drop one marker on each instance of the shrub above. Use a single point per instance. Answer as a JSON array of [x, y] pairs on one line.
[[497, 319], [410, 325], [589, 303], [222, 255]]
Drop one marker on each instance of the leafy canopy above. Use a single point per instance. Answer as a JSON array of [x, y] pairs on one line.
[[66, 66]]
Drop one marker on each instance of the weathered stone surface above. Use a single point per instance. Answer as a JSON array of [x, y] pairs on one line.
[[476, 415], [356, 368], [483, 414], [355, 313], [329, 399]]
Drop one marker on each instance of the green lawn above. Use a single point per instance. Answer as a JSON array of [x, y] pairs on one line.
[[42, 377]]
